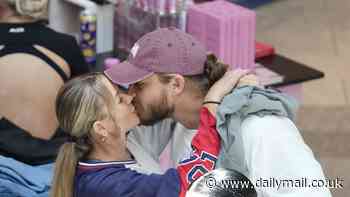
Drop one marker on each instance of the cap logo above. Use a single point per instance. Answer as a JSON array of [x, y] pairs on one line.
[[134, 50]]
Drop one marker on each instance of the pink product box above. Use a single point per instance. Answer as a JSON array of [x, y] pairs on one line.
[[244, 41], [248, 26], [109, 62], [226, 29], [207, 29]]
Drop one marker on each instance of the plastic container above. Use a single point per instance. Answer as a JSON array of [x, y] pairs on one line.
[[88, 26]]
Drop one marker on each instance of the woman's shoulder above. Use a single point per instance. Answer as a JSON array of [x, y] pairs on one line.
[[122, 180], [109, 179]]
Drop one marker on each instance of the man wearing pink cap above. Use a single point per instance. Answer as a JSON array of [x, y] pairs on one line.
[[169, 73]]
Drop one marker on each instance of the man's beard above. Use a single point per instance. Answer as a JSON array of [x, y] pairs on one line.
[[155, 112]]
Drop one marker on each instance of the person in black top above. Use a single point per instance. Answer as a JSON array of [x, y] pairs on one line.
[[35, 61]]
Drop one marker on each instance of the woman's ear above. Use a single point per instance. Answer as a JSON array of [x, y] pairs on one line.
[[100, 129], [177, 84]]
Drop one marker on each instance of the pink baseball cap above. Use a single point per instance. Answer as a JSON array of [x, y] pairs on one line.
[[165, 50]]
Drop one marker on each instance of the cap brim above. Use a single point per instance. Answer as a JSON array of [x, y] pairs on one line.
[[126, 74]]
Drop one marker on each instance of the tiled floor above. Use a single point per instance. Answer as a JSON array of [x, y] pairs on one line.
[[327, 131], [317, 33]]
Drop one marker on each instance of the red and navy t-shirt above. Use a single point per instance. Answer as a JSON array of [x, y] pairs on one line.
[[119, 179]]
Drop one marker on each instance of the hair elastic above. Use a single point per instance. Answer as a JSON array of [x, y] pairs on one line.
[[72, 139], [211, 102]]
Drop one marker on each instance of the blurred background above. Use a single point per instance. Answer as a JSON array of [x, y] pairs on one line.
[[316, 33]]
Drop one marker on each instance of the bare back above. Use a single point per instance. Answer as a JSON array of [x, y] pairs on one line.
[[28, 89]]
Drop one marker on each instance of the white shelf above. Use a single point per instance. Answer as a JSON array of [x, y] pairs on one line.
[[64, 17]]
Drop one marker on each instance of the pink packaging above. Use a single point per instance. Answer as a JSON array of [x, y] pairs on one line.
[[226, 29], [109, 62]]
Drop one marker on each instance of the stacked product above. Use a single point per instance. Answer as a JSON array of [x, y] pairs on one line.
[[226, 29]]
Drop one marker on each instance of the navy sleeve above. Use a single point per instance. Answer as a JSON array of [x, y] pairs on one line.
[[154, 185]]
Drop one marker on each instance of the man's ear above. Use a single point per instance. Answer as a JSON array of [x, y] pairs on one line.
[[177, 84]]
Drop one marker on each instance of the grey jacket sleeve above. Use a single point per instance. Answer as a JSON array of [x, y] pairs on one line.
[[153, 139]]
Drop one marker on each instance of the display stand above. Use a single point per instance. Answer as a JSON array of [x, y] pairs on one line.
[[64, 17]]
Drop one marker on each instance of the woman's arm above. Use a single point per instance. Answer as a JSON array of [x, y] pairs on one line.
[[175, 182]]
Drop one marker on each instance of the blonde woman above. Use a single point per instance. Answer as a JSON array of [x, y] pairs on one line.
[[35, 61], [96, 161]]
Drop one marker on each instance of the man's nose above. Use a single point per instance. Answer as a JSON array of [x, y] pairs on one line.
[[131, 90], [127, 98]]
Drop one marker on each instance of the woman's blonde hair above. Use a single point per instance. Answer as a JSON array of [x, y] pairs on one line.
[[80, 102], [36, 9]]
